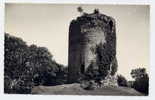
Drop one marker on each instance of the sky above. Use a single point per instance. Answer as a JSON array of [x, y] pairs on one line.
[[47, 25]]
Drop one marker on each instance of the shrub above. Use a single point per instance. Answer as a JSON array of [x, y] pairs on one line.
[[91, 73], [121, 80], [61, 74], [141, 82], [80, 9], [88, 85], [130, 84]]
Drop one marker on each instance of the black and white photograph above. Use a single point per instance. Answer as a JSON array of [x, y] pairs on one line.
[[77, 49]]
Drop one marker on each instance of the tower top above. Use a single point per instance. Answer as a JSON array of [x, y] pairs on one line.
[[95, 17]]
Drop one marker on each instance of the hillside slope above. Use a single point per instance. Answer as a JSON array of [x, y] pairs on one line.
[[75, 89]]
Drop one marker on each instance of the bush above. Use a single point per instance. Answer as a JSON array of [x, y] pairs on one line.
[[121, 80], [141, 82], [91, 73], [61, 74], [88, 85], [142, 85], [130, 84]]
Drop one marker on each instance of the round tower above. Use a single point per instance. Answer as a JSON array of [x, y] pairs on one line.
[[86, 34]]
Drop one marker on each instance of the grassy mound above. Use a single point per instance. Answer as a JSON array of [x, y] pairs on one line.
[[75, 89]]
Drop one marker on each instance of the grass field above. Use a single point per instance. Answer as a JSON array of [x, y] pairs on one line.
[[75, 89]]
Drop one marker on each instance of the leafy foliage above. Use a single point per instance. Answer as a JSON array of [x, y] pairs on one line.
[[130, 83], [18, 75], [106, 57], [96, 11], [141, 82], [92, 73], [121, 80], [88, 85], [105, 64], [138, 73], [114, 66], [45, 67], [61, 74], [80, 9], [27, 66]]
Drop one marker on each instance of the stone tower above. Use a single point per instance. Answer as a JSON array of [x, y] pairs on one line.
[[85, 34]]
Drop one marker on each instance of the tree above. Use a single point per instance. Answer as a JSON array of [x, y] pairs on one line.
[[45, 67], [27, 66], [138, 73], [141, 82], [17, 76], [121, 80]]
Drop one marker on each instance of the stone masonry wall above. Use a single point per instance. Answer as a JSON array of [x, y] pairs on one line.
[[85, 33]]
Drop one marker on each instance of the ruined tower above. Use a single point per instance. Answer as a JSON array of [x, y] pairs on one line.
[[86, 34]]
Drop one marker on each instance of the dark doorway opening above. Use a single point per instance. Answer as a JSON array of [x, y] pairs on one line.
[[82, 69]]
